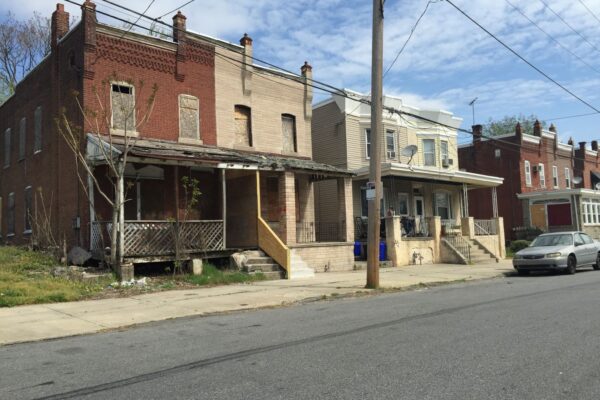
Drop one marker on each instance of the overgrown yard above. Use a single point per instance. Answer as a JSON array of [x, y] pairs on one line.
[[26, 278]]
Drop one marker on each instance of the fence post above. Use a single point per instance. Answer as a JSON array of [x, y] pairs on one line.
[[467, 226]]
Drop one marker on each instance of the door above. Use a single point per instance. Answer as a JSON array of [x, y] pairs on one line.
[[589, 247], [420, 224]]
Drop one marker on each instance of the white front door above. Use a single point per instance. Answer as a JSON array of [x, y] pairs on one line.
[[419, 206]]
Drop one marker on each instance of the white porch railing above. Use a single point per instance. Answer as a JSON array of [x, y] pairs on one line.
[[485, 227], [156, 238]]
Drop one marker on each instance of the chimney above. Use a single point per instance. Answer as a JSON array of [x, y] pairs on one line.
[[518, 132], [570, 142], [582, 146], [477, 133], [59, 24], [306, 71], [537, 128], [247, 68], [595, 145], [179, 27], [552, 128]]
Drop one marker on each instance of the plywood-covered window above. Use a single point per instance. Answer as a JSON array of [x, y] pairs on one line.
[[37, 130], [7, 144], [22, 137], [10, 215], [288, 127], [243, 125], [189, 117], [28, 209], [123, 107]]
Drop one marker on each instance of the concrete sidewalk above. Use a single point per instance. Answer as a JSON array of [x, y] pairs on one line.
[[46, 321]]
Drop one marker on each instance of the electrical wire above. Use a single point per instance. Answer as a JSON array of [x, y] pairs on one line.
[[569, 26], [523, 58], [342, 93], [589, 11], [552, 37], [176, 9], [138, 19]]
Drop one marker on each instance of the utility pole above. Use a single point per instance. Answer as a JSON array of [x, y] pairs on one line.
[[375, 156]]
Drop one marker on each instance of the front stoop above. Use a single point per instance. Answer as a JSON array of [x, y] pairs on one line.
[[256, 261], [299, 268], [479, 255]]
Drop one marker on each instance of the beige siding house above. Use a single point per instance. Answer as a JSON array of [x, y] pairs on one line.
[[423, 187]]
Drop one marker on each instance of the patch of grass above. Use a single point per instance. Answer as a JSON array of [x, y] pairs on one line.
[[25, 278], [211, 275]]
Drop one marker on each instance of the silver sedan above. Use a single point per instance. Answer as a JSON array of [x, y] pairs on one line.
[[560, 251]]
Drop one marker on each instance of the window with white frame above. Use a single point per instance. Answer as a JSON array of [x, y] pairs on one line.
[[7, 144], [444, 152], [542, 175], [568, 178], [37, 130], [590, 211], [390, 144], [22, 137], [189, 117], [123, 107], [368, 143], [442, 205], [555, 176], [27, 210], [429, 152], [527, 173], [10, 215]]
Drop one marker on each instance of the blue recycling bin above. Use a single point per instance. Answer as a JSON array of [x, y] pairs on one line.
[[382, 251], [356, 249]]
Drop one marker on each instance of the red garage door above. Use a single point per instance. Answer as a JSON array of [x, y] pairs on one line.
[[559, 214]]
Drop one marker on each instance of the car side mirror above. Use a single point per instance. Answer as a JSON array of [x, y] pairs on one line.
[[578, 244]]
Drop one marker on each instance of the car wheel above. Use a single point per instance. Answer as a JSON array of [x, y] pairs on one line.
[[522, 272], [571, 265], [597, 265]]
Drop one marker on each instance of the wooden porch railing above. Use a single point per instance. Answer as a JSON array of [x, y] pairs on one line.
[[157, 238]]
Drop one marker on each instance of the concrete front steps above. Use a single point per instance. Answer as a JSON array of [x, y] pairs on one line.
[[258, 262], [479, 255]]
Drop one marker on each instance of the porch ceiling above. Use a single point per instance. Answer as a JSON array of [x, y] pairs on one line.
[[221, 158], [428, 174]]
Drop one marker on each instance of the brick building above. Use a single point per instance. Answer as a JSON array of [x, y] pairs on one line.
[[187, 105], [546, 182]]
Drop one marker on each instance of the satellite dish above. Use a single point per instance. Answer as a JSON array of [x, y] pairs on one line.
[[577, 180], [409, 151], [597, 186]]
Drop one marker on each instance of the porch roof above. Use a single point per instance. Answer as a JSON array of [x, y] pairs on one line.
[[434, 175], [559, 194], [217, 157]]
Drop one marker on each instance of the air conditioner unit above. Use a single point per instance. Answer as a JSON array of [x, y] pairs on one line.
[[447, 162], [391, 154]]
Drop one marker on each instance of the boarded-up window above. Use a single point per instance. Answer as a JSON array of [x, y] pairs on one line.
[[123, 107], [10, 217], [37, 137], [7, 145], [243, 126], [288, 126], [22, 137], [189, 117], [28, 209]]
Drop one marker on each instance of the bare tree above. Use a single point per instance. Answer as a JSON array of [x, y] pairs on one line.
[[23, 44], [112, 125]]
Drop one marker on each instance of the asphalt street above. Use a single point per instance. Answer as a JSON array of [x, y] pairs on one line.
[[532, 337]]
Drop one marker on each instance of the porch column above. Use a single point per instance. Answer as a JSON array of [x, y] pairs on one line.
[[435, 229], [467, 227], [465, 192], [344, 194], [306, 207], [495, 202], [287, 206], [224, 206], [393, 239], [500, 233]]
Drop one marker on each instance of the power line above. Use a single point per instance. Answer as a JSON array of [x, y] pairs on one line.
[[342, 93], [552, 37], [569, 25], [570, 116], [409, 36], [138, 19], [589, 11], [178, 8], [522, 58]]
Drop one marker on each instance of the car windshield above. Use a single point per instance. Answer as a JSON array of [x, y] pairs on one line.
[[553, 240]]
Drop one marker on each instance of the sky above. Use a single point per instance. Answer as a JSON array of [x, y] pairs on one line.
[[448, 62]]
